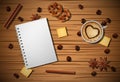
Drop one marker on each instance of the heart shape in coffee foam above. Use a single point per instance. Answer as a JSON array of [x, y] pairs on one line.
[[91, 31]]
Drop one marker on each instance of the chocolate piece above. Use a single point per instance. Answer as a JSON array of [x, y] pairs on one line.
[[59, 47], [21, 19], [68, 58], [39, 9], [10, 46], [98, 12], [83, 20], [107, 51], [115, 35], [93, 73], [103, 23], [80, 6], [8, 9], [113, 69], [79, 33], [108, 20], [77, 48], [16, 75]]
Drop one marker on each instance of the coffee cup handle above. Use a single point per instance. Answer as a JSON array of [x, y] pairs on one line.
[[104, 27]]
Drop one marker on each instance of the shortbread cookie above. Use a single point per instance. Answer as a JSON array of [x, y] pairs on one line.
[[65, 15], [55, 9]]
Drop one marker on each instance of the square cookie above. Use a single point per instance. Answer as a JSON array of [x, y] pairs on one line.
[[105, 41], [26, 72], [62, 32]]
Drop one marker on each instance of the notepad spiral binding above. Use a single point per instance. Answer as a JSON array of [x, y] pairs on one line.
[[22, 47]]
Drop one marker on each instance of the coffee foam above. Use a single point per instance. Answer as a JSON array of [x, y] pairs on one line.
[[91, 32]]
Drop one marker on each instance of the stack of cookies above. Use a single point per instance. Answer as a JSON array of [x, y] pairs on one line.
[[59, 12]]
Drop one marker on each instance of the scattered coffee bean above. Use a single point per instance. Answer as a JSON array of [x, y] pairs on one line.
[[8, 9], [21, 19], [107, 51], [10, 46], [93, 73], [77, 48], [59, 47], [79, 33], [113, 69], [68, 58], [39, 9], [108, 20], [16, 75], [83, 20], [80, 6], [98, 12], [103, 23], [115, 35]]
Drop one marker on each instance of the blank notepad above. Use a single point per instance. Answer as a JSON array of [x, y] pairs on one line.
[[36, 43]]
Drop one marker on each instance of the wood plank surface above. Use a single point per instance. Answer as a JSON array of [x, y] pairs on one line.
[[11, 60]]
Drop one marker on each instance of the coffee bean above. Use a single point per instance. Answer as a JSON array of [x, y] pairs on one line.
[[21, 19], [113, 69], [103, 23], [68, 58], [107, 51], [10, 46], [79, 33], [16, 75], [59, 47], [80, 6], [93, 73], [83, 20], [8, 9], [115, 35], [77, 48], [108, 20], [39, 9], [98, 12]]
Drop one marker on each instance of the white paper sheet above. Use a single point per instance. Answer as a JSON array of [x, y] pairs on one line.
[[36, 43]]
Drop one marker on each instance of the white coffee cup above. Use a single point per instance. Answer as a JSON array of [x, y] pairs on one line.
[[84, 34]]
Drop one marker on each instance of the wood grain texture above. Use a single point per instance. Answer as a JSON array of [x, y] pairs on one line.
[[11, 59]]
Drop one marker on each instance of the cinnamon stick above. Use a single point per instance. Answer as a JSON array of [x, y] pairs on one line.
[[61, 72], [12, 16]]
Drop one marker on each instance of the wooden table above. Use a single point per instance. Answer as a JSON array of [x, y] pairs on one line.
[[11, 59]]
